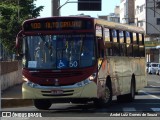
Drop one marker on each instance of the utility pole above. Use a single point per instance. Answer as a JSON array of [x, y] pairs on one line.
[[54, 5]]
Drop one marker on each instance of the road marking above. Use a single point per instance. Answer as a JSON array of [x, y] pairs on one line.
[[150, 94], [129, 109], [154, 86], [147, 103], [156, 109], [9, 98]]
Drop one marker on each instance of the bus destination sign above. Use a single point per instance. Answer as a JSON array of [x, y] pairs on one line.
[[39, 25]]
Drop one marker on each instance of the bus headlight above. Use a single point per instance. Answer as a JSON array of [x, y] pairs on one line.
[[92, 77], [80, 84], [87, 81], [31, 84], [83, 83]]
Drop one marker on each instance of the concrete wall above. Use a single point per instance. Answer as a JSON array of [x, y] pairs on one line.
[[10, 73]]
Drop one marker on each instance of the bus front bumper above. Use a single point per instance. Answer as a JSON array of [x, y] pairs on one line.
[[84, 89]]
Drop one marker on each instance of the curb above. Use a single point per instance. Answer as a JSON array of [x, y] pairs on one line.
[[7, 103]]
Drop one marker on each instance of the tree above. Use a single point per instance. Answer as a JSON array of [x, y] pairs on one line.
[[12, 14]]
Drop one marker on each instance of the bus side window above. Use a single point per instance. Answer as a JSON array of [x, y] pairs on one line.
[[141, 45], [129, 50], [107, 34], [141, 39], [100, 47], [123, 49], [129, 45], [115, 42], [142, 50], [108, 46], [135, 38], [121, 36], [122, 43], [135, 45], [116, 49], [135, 50], [108, 43], [114, 36]]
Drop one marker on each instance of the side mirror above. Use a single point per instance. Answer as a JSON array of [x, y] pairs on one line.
[[19, 36]]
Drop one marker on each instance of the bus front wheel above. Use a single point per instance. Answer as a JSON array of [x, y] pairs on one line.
[[42, 104], [106, 99]]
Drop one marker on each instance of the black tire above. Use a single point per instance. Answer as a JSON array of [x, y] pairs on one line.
[[42, 104], [149, 72], [106, 100], [131, 96], [157, 72], [79, 101]]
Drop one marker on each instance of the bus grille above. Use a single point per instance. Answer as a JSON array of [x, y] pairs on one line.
[[56, 74]]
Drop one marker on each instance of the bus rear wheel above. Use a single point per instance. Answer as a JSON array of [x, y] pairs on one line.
[[106, 100], [42, 104], [128, 97]]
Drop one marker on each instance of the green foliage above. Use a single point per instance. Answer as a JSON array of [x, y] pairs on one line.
[[12, 14]]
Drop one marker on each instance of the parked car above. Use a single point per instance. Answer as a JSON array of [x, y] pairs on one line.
[[153, 68], [158, 70]]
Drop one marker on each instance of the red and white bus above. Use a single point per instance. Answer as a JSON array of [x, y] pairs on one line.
[[81, 59]]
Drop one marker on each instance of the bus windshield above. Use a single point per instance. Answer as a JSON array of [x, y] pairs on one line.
[[59, 51]]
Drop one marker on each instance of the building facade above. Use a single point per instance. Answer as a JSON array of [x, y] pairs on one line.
[[127, 11], [149, 18], [114, 17], [145, 14]]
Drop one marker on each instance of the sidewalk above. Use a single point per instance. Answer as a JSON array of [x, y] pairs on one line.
[[14, 92], [12, 97]]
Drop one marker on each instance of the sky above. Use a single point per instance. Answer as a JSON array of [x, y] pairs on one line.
[[71, 8]]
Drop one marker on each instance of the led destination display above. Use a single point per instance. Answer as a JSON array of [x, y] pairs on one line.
[[55, 24]]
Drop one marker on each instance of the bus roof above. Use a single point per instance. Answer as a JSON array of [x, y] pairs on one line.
[[59, 17], [102, 22], [119, 26]]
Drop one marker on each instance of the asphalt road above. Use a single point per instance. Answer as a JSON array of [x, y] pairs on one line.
[[147, 102]]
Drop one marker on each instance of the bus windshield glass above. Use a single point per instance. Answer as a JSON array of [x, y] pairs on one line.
[[59, 51]]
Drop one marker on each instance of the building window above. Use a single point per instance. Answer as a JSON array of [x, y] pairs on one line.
[[107, 34], [141, 24], [158, 21], [141, 8]]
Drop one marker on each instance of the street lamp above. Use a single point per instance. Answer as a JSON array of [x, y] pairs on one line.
[[59, 7], [55, 4]]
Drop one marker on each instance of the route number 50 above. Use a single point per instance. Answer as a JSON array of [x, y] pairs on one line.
[[73, 64]]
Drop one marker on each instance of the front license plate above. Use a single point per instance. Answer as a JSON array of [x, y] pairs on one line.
[[57, 92]]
